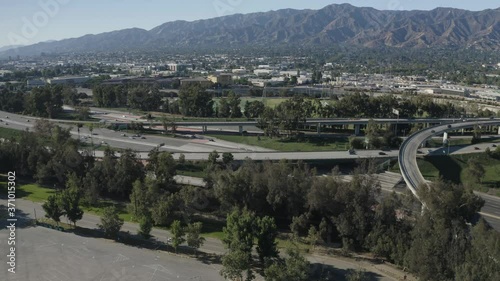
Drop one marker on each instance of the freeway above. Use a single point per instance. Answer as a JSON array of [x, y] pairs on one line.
[[414, 179], [117, 139], [333, 121], [262, 156]]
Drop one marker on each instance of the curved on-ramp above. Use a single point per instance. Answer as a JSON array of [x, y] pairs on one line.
[[414, 179], [408, 151]]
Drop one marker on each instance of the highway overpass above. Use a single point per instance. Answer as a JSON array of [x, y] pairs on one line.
[[414, 178]]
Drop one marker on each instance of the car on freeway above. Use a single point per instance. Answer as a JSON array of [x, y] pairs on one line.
[[382, 153], [476, 148], [429, 150], [351, 151], [143, 138], [132, 138], [124, 135], [161, 144], [493, 145]]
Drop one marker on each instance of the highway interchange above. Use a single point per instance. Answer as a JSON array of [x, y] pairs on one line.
[[414, 179], [114, 261], [198, 147]]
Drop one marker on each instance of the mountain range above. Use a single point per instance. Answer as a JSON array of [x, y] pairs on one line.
[[333, 24]]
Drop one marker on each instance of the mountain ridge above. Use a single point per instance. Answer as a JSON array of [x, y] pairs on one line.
[[333, 24]]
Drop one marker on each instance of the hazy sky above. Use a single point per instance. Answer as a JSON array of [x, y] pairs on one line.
[[31, 21]]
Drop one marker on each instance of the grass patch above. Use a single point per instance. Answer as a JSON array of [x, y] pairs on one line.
[[192, 169], [38, 193], [212, 228], [309, 144], [454, 168], [121, 207], [7, 133], [34, 192]]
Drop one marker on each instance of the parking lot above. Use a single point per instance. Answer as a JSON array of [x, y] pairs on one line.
[[49, 255]]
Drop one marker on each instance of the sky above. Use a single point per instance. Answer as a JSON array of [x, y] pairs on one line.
[[25, 22]]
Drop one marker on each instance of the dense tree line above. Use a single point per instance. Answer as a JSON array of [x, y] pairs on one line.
[[196, 101], [261, 198], [438, 245], [44, 101], [143, 97]]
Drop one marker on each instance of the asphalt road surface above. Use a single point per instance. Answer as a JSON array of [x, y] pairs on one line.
[[102, 136], [48, 255]]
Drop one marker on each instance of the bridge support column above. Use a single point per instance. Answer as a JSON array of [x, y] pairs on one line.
[[205, 129], [357, 130], [318, 128], [240, 129]]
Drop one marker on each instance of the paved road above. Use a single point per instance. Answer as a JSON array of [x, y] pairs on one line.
[[414, 179], [107, 254], [260, 156], [115, 139]]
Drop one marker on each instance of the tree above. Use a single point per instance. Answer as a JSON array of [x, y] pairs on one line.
[[475, 170], [238, 239], [193, 237], [111, 223], [372, 133], [83, 113], [177, 234], [164, 168], [294, 268], [70, 200], [313, 236], [235, 264], [234, 102], [182, 159], [145, 225], [266, 234], [195, 101], [254, 109], [482, 259], [163, 209], [224, 108], [138, 200], [227, 158], [213, 156], [53, 208]]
